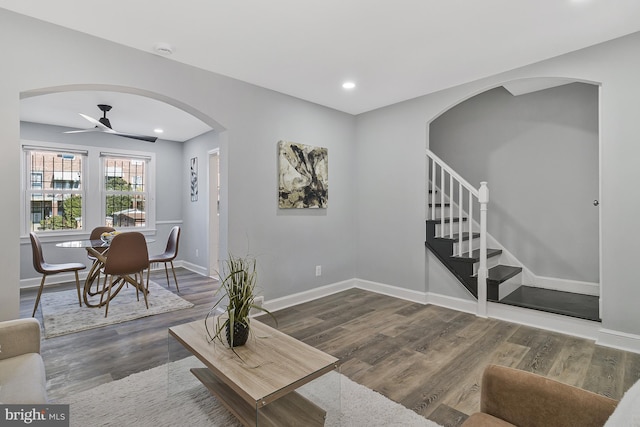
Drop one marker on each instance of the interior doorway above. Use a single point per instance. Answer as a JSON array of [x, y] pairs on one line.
[[214, 211]]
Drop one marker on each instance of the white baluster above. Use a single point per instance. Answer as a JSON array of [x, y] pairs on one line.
[[460, 232], [483, 272], [442, 192], [433, 189], [470, 230], [451, 198]]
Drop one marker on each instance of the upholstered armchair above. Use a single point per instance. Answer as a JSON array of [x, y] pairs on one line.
[[22, 375], [511, 397]]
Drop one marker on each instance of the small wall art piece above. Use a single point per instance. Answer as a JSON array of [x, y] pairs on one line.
[[194, 179], [303, 176]]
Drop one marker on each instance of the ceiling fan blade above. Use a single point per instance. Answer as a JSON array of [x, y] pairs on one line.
[[84, 130], [97, 123], [134, 136], [102, 127]]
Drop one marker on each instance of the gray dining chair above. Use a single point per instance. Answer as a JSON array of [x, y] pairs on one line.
[[46, 269], [126, 261], [169, 254]]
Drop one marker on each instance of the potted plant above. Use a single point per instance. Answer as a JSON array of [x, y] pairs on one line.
[[237, 285]]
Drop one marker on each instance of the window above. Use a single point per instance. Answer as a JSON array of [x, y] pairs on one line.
[[67, 190], [54, 191], [125, 190]]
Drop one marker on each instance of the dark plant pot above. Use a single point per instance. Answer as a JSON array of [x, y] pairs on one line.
[[240, 334]]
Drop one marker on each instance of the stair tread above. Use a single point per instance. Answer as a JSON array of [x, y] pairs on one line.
[[552, 301], [501, 273], [446, 204], [456, 237], [475, 255]]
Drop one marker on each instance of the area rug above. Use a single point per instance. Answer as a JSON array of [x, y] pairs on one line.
[[170, 395], [62, 315]]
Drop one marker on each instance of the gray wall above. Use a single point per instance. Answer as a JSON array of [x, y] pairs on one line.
[[250, 121], [539, 154], [391, 171], [194, 239]]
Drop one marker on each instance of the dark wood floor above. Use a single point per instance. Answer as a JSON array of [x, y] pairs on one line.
[[426, 357]]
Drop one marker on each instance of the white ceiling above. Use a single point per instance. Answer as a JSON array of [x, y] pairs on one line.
[[129, 113], [393, 50]]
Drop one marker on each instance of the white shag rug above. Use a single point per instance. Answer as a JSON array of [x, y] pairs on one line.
[[62, 315], [171, 396]]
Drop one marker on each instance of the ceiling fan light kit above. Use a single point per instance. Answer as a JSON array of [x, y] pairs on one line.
[[104, 125]]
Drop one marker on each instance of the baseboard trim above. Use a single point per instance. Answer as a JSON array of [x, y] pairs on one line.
[[310, 295], [575, 286], [204, 271], [620, 340], [542, 320], [393, 291]]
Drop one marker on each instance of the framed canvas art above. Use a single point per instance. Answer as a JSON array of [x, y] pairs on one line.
[[194, 179], [303, 176]]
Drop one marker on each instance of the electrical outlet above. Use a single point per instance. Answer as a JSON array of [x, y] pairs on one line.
[[318, 270]]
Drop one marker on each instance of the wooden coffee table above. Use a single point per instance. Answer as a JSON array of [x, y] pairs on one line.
[[260, 388]]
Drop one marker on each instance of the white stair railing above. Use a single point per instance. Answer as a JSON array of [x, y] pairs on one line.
[[445, 186]]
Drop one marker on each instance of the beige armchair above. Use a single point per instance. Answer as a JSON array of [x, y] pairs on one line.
[[22, 375], [511, 397]]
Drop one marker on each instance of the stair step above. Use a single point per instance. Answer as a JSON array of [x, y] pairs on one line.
[[475, 255], [456, 237], [502, 273], [437, 205], [553, 301]]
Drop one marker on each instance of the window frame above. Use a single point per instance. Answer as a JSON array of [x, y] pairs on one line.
[[26, 191], [149, 193], [93, 187]]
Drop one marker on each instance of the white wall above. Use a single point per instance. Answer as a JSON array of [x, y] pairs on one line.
[[391, 167], [288, 244], [539, 154]]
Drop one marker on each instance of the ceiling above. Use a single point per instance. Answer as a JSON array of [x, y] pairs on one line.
[[129, 113], [392, 50]]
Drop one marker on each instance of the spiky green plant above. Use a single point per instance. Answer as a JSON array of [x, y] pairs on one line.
[[237, 285]]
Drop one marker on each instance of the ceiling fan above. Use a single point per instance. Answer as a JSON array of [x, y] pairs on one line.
[[104, 125]]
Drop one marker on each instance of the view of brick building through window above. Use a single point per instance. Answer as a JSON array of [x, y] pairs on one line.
[[56, 190]]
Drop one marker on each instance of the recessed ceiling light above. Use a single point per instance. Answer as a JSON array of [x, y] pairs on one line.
[[158, 130], [348, 85], [163, 48]]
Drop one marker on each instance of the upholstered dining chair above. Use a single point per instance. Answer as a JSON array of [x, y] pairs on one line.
[[127, 257], [169, 255], [95, 235], [46, 269]]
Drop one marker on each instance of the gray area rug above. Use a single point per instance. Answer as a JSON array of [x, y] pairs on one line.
[[170, 395], [62, 315]]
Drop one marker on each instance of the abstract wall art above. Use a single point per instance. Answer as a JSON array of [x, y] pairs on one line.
[[303, 176], [194, 179]]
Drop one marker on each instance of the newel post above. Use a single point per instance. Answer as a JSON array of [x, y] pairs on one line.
[[483, 272]]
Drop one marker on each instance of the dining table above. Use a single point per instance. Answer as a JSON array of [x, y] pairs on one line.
[[98, 249]]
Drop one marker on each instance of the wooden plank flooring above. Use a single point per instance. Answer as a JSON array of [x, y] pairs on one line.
[[428, 358]]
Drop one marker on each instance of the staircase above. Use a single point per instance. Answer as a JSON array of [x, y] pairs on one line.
[[465, 266], [459, 241]]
